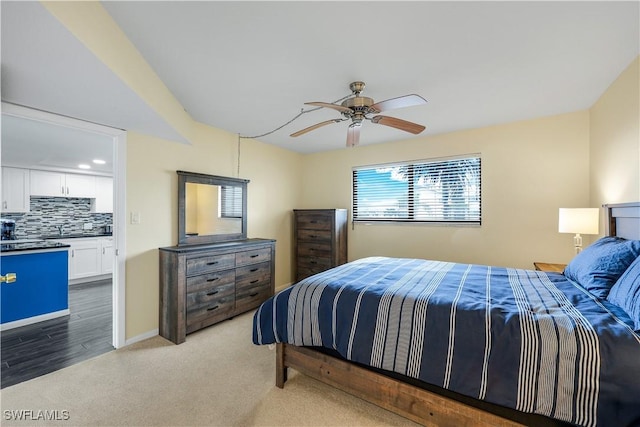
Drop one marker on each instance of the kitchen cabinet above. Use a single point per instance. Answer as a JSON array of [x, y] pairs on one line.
[[107, 250], [85, 259], [103, 203], [15, 190], [57, 184], [89, 257]]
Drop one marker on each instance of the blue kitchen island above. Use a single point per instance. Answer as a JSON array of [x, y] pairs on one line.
[[34, 282]]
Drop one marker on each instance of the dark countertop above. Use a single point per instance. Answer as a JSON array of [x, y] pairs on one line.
[[74, 235], [30, 246]]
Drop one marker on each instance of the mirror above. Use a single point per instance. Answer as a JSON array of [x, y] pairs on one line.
[[211, 208]]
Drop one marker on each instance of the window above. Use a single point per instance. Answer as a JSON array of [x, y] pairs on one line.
[[439, 190], [230, 201]]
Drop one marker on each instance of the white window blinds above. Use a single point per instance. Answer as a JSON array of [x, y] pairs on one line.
[[231, 201], [423, 191]]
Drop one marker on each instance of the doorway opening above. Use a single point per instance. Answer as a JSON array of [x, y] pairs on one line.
[[93, 291]]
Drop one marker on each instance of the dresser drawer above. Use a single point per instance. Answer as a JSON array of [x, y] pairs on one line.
[[206, 281], [302, 273], [315, 264], [207, 264], [208, 308], [253, 257], [248, 298], [320, 249], [205, 298], [253, 275], [314, 222], [315, 235]]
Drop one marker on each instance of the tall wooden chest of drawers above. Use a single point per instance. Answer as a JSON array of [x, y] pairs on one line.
[[320, 239], [205, 284]]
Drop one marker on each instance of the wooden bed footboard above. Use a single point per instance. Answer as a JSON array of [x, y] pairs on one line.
[[406, 400]]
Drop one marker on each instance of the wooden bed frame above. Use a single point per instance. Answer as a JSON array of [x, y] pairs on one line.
[[410, 401]]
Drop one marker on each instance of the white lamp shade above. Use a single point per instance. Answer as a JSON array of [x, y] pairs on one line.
[[578, 220]]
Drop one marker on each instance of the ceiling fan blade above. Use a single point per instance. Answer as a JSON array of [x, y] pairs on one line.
[[340, 108], [353, 135], [399, 102], [398, 124], [316, 126]]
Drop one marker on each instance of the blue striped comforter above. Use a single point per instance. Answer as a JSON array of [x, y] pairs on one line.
[[528, 340]]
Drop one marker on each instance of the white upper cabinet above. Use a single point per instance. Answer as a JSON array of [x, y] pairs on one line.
[[15, 190], [103, 203], [57, 184]]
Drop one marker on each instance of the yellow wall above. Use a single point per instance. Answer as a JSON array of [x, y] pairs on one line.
[[152, 190], [615, 141], [529, 170]]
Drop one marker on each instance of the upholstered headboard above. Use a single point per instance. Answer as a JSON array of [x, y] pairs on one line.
[[623, 220]]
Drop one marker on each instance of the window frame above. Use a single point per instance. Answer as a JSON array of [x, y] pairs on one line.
[[411, 194]]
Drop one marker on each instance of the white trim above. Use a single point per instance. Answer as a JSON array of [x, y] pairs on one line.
[[150, 334], [119, 238], [33, 319], [119, 212]]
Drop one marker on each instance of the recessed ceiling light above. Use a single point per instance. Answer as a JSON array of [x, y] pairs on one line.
[[99, 161], [83, 166]]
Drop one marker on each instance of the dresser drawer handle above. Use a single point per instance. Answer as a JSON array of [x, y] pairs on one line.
[[213, 279], [254, 270], [255, 256], [212, 308], [212, 263], [254, 281], [313, 262], [313, 221], [254, 294], [313, 236], [212, 293]]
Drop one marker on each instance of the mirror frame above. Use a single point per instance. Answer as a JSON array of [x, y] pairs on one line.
[[200, 178]]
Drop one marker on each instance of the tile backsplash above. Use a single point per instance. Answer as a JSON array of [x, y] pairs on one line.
[[48, 213]]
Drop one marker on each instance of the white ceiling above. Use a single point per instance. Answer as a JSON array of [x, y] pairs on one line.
[[248, 67]]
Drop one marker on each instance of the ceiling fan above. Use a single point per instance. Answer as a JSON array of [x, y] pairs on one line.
[[358, 108]]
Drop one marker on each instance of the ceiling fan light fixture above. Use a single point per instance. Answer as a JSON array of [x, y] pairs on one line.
[[356, 108]]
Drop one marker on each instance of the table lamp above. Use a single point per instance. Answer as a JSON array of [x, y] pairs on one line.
[[578, 221]]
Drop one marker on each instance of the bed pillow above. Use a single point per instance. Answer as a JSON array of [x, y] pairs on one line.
[[600, 265], [625, 293]]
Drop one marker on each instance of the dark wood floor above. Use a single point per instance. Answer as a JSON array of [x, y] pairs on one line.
[[34, 350]]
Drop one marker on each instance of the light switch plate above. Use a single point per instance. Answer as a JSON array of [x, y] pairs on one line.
[[135, 218]]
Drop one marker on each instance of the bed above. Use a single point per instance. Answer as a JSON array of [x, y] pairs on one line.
[[460, 344]]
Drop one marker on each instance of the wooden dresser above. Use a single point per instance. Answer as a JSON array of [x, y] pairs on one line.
[[320, 239], [205, 284]]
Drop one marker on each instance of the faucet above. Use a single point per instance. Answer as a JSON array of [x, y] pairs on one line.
[[60, 229]]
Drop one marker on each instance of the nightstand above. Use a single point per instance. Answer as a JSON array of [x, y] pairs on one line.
[[548, 267]]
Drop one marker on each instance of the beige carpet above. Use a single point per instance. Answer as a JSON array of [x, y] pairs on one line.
[[217, 377]]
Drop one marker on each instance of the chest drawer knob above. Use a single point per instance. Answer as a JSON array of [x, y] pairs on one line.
[[212, 293], [253, 294], [212, 308], [255, 256], [254, 281], [213, 279], [212, 263]]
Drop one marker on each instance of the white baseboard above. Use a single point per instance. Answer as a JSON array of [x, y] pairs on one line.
[[150, 334], [34, 319]]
